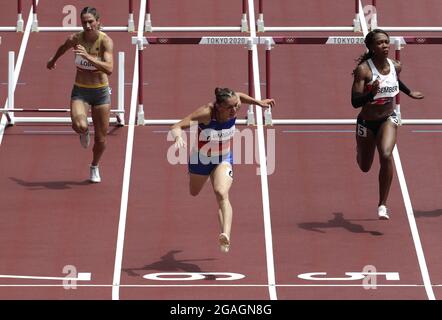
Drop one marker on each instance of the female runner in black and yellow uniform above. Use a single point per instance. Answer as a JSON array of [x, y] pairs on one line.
[[94, 61]]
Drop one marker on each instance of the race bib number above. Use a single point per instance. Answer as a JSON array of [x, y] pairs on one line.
[[362, 131], [394, 119]]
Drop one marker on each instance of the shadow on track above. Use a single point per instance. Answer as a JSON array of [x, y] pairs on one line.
[[337, 222], [169, 263], [52, 185]]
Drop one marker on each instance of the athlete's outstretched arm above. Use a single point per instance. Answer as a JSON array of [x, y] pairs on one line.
[[69, 43], [201, 115], [403, 87], [244, 98]]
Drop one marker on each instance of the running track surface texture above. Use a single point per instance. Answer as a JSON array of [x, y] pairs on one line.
[[315, 212]]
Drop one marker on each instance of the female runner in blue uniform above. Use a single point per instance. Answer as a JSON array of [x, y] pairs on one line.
[[374, 87], [94, 61], [212, 156]]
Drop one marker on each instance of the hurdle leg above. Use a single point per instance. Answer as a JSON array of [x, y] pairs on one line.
[[268, 112], [34, 27], [130, 22], [140, 114], [20, 23], [250, 113], [244, 24], [356, 21], [147, 20], [121, 62], [11, 62], [397, 44], [374, 17], [260, 21]]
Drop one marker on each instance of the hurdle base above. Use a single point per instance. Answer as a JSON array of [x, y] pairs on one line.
[[148, 23], [20, 24], [131, 24], [250, 118], [34, 27], [268, 121], [244, 24], [260, 23]]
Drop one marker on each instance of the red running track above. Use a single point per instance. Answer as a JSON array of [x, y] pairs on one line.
[[322, 209]]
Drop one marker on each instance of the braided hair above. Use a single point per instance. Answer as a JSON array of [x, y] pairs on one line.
[[369, 40]]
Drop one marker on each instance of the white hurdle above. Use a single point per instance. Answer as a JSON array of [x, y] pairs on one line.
[[36, 28], [242, 28], [355, 27], [398, 42], [10, 110], [140, 42]]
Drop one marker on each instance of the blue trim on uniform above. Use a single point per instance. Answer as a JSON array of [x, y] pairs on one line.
[[203, 165], [199, 164]]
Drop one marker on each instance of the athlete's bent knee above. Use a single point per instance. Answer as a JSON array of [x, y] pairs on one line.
[[365, 167], [79, 126], [386, 156], [221, 194]]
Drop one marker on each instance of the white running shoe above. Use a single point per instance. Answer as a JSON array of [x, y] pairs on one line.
[[224, 242], [85, 139], [383, 213], [95, 174]]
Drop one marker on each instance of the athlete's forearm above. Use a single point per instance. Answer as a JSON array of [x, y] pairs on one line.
[[106, 67], [248, 99], [60, 51], [404, 88], [361, 99]]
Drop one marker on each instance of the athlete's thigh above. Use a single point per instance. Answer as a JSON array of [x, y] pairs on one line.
[[222, 177], [79, 108], [196, 182], [365, 145], [386, 139], [100, 117]]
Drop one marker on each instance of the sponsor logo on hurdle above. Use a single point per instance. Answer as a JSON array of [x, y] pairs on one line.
[[345, 40], [224, 40]]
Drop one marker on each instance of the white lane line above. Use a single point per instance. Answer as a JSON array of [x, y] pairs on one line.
[[21, 55], [127, 167], [81, 276], [425, 131], [407, 201], [263, 164], [413, 226], [318, 131], [216, 285]]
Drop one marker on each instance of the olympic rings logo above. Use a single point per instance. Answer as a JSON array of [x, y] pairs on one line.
[[163, 40], [290, 40], [421, 40]]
